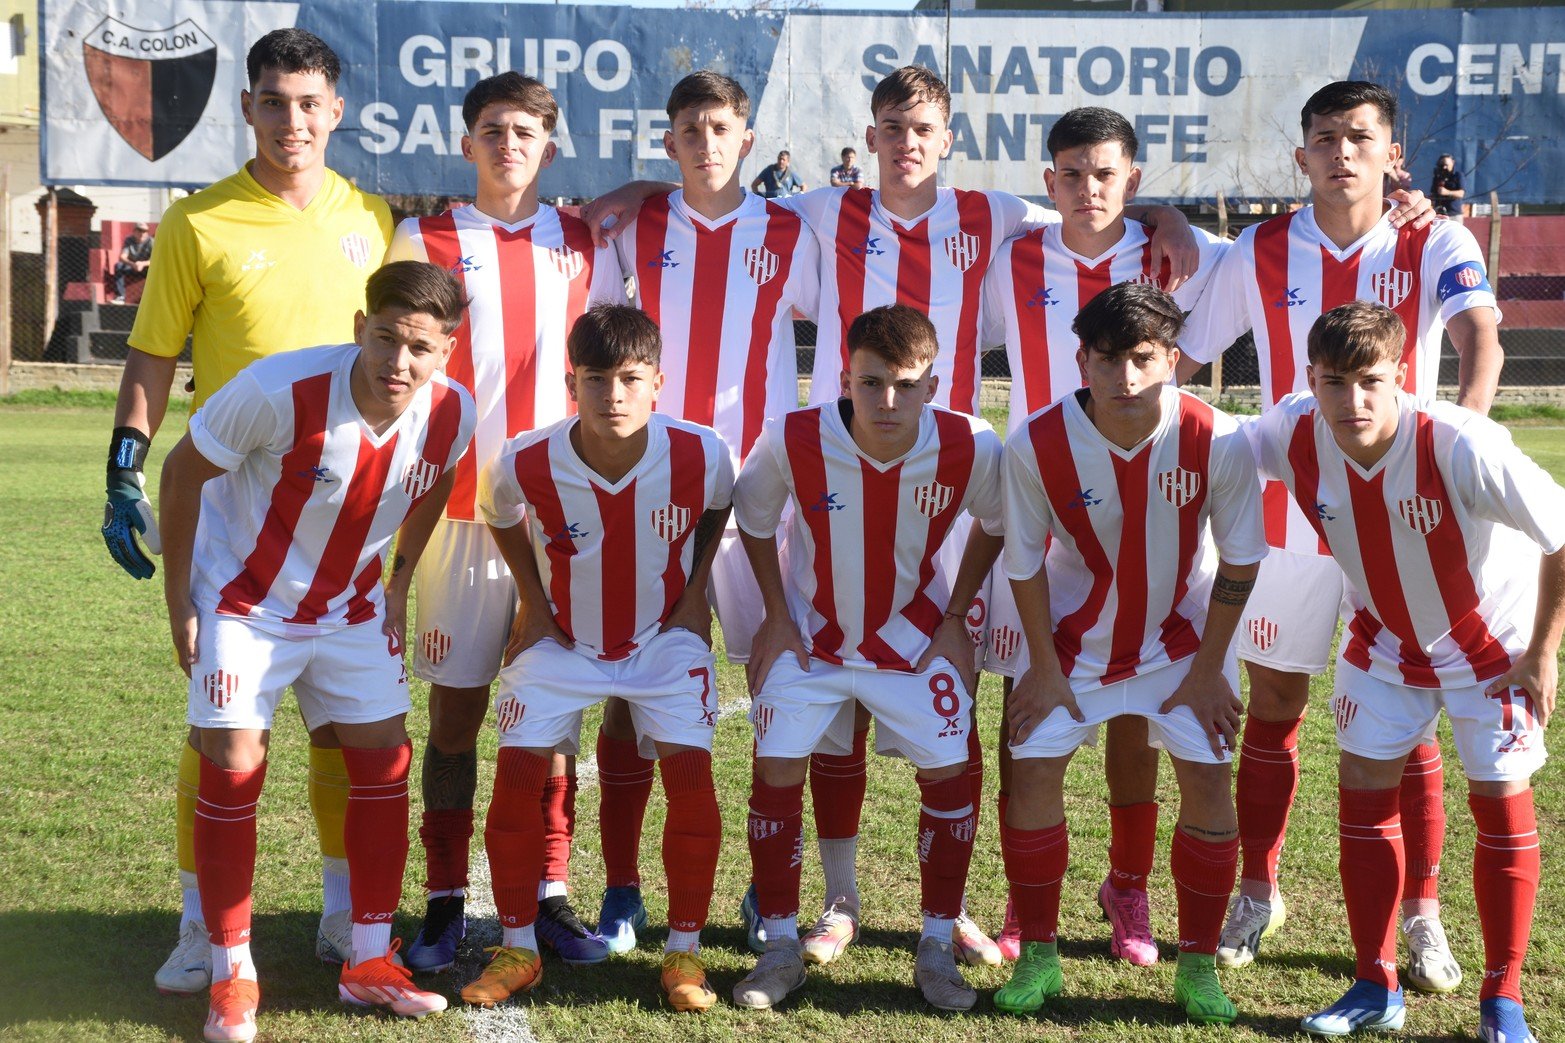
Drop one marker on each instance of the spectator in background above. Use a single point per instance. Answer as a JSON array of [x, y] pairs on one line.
[[1398, 177], [778, 179], [1446, 191], [135, 258], [849, 174]]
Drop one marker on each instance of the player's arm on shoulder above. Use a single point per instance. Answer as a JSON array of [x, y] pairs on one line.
[[607, 215], [1411, 208], [1173, 242], [1219, 316]]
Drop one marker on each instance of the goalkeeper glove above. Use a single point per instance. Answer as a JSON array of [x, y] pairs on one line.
[[127, 512]]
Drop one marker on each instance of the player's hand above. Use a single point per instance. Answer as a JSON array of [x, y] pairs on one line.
[[776, 636], [126, 515], [1033, 698], [1173, 243], [529, 628], [691, 612], [1217, 709], [609, 214], [1413, 209], [396, 622], [183, 627], [952, 642], [1535, 674]]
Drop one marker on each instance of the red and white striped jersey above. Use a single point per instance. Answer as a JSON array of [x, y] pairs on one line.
[[1283, 274], [864, 535], [614, 557], [935, 263], [1440, 593], [526, 285], [1126, 529], [1036, 287], [295, 534], [723, 293]]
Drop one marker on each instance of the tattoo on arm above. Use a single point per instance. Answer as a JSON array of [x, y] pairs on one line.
[[450, 779], [707, 530], [1227, 591], [397, 564], [1217, 834]]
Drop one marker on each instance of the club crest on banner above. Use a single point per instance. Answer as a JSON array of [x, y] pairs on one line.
[[761, 264], [1179, 486], [1263, 632], [356, 248], [151, 84], [1391, 286], [419, 478], [670, 522], [932, 498], [567, 262], [1420, 513], [962, 249]]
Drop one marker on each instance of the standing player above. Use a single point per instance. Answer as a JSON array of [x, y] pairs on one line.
[[623, 511], [876, 482], [1445, 609], [529, 272], [1278, 277], [1119, 483], [270, 259], [292, 480]]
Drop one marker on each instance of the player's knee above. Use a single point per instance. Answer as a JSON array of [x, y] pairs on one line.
[[1206, 800], [456, 715], [1355, 772], [233, 749], [1277, 695], [1498, 787], [781, 772]]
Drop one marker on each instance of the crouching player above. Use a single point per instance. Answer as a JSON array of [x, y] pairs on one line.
[[293, 479], [1125, 617], [1445, 609], [624, 509], [877, 479]]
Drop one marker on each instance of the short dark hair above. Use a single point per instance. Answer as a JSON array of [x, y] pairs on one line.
[[613, 335], [705, 87], [910, 85], [1093, 125], [292, 50], [516, 90], [783, 153], [419, 287], [1127, 315], [1357, 335], [1349, 94], [901, 336], [849, 151]]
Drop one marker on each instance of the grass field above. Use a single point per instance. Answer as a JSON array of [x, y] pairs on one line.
[[93, 711]]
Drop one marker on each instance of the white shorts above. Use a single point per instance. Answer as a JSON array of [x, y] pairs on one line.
[[670, 684], [1003, 635], [347, 675], [735, 596], [1291, 617], [1178, 732], [466, 601], [1499, 739], [797, 713]]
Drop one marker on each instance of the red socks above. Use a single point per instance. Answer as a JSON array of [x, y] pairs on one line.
[[837, 785], [375, 831], [1371, 864], [559, 823], [1132, 844], [776, 847], [225, 848], [513, 834], [946, 823], [1204, 872], [1268, 779], [1506, 867], [1423, 821], [1035, 863], [624, 784], [446, 834], [692, 835]]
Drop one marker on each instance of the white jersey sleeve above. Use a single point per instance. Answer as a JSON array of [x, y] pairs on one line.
[[1220, 314], [238, 419], [1028, 516], [723, 480], [814, 206], [1212, 249], [1237, 526], [1502, 484], [762, 488], [608, 278], [987, 504], [407, 242], [499, 493], [1454, 265]]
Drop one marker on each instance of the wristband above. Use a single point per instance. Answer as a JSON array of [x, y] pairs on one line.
[[956, 615], [128, 450]]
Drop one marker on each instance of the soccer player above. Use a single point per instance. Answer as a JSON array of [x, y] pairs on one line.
[[876, 481], [1275, 281], [529, 272], [722, 272], [1119, 483], [268, 260], [623, 510], [1032, 293], [1445, 610], [292, 481]]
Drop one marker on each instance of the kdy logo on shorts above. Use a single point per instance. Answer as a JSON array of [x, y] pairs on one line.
[[152, 84]]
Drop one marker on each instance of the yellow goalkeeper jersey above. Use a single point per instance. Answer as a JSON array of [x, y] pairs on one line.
[[249, 275]]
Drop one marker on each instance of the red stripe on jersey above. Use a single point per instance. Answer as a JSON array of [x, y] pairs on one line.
[[802, 436], [295, 485], [1339, 280], [1195, 456], [360, 501], [974, 218], [882, 491], [852, 260], [1062, 485], [1271, 276], [578, 238], [706, 321], [1306, 474], [913, 274], [617, 514], [1377, 552], [1363, 628], [954, 470], [1131, 478], [360, 608], [1029, 289], [445, 420], [1092, 281], [443, 247], [1448, 561], [1409, 257], [783, 229], [519, 306], [687, 489], [535, 476], [651, 240]]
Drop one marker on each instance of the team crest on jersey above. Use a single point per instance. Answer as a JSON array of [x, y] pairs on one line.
[[1179, 486], [152, 84], [1391, 286], [1005, 641], [932, 498], [962, 249], [1345, 710], [434, 645], [509, 714], [419, 478], [1420, 513], [356, 248], [221, 687], [761, 264], [670, 522], [1263, 632], [567, 262]]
